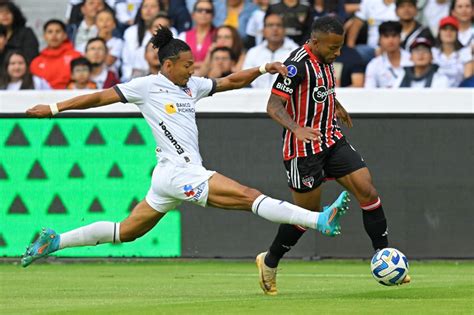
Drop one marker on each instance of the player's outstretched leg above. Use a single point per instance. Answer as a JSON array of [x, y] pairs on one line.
[[142, 219], [45, 244]]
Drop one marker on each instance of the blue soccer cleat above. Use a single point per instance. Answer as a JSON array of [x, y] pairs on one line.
[[45, 244], [328, 221]]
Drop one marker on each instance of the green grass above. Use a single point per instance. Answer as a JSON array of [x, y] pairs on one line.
[[223, 287]]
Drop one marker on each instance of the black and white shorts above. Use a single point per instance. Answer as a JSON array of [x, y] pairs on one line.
[[308, 173]]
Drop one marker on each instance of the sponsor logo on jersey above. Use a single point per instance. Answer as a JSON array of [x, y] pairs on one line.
[[282, 87], [320, 93], [292, 71], [170, 108], [195, 193], [308, 181], [287, 81], [169, 135]]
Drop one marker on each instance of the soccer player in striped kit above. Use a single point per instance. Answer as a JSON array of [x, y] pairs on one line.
[[314, 148]]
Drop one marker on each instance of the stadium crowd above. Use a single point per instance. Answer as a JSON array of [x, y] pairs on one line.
[[389, 43]]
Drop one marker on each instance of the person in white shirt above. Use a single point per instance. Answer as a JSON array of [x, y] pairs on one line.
[[167, 102], [136, 37], [462, 11], [255, 25], [16, 76], [126, 10], [383, 71], [106, 24], [275, 47], [87, 28], [454, 60], [423, 74], [374, 12]]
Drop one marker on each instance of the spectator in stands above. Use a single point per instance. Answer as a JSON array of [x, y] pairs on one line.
[[126, 10], [254, 30], [96, 52], [178, 13], [374, 13], [136, 37], [151, 56], [423, 73], [454, 60], [225, 36], [106, 25], [16, 76], [222, 62], [321, 8], [3, 43], [235, 13], [384, 70], [86, 29], [81, 70], [411, 29], [462, 11], [199, 38], [275, 47], [74, 12], [431, 12], [19, 37], [349, 68], [351, 7], [296, 17], [53, 62]]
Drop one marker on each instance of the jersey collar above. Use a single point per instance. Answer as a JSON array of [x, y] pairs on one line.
[[310, 53]]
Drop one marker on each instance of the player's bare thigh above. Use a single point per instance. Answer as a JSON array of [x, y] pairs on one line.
[[310, 200], [227, 193], [359, 183], [142, 219]]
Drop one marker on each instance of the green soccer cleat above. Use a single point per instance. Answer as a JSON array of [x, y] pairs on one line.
[[328, 221], [45, 244]]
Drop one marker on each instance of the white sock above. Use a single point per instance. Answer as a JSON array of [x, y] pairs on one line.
[[91, 235], [284, 212]]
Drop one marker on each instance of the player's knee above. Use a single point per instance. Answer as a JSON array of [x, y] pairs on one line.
[[249, 195], [368, 194]]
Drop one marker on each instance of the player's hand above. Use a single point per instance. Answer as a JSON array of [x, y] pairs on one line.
[[39, 111], [307, 134], [343, 115], [276, 67]]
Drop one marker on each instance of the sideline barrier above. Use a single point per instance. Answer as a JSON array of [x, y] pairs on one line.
[[64, 173]]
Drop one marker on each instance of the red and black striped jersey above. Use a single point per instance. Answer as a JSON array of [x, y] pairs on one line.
[[309, 90]]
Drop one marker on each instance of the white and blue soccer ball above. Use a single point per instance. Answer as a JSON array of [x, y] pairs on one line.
[[389, 266]]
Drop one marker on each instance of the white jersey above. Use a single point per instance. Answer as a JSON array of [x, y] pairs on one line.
[[170, 111]]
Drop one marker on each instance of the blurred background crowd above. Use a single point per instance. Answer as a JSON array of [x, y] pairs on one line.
[[99, 43]]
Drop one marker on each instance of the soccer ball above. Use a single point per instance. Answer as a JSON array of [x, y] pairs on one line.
[[389, 266]]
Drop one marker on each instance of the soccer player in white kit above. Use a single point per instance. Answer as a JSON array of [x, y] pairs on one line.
[[167, 101]]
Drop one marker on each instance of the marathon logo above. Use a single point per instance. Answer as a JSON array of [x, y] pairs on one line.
[[320, 94], [173, 141], [282, 87]]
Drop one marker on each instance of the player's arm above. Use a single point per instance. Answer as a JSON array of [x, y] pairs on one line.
[[276, 110], [343, 115], [243, 78], [96, 99]]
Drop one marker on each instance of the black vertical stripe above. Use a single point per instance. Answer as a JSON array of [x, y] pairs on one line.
[[113, 240], [326, 106], [311, 106]]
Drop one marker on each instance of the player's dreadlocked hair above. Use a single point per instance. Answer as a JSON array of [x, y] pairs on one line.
[[327, 24], [168, 47]]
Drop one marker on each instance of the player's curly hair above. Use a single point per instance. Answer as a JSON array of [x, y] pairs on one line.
[[327, 24], [168, 47]]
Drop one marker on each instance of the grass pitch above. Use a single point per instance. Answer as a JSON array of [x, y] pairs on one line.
[[223, 287]]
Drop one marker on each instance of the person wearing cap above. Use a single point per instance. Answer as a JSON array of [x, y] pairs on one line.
[[431, 12], [384, 70], [454, 60], [462, 11], [423, 73], [411, 29]]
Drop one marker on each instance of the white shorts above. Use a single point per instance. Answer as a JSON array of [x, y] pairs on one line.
[[173, 183]]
